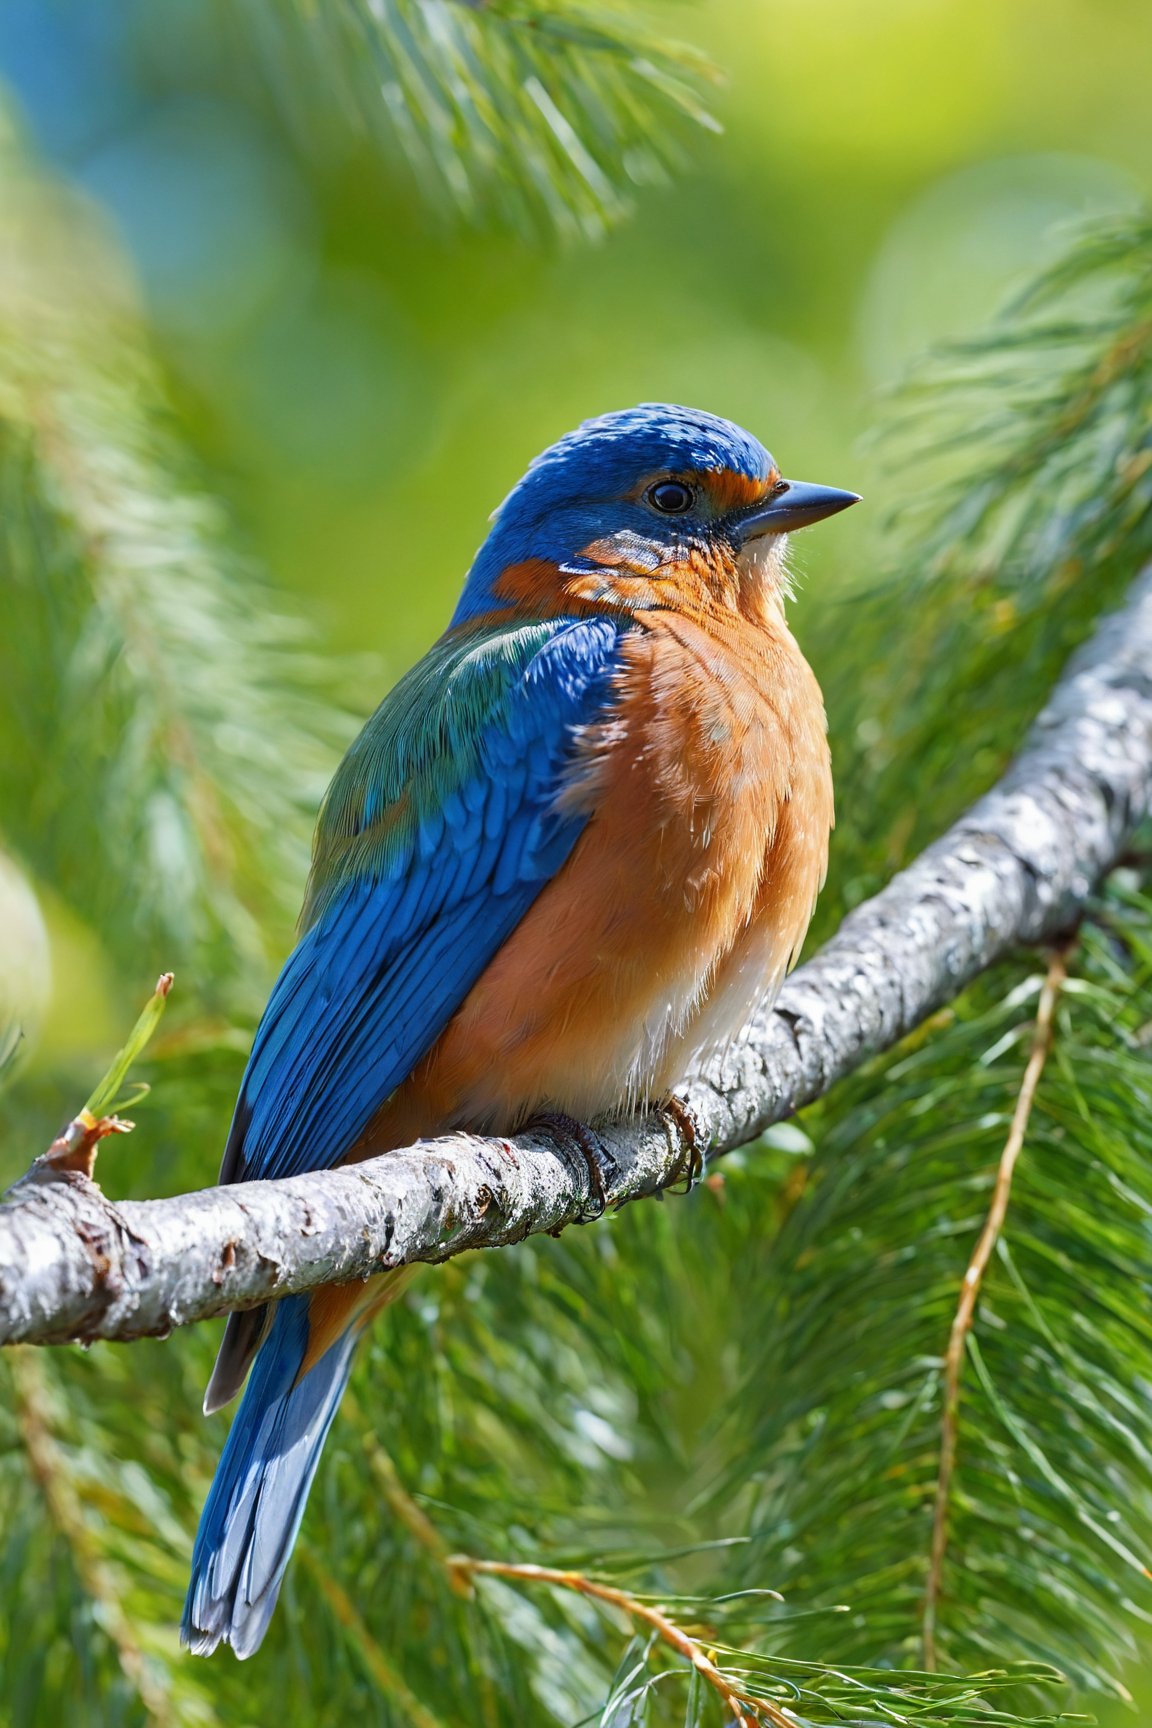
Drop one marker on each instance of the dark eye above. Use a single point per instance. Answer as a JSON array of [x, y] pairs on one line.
[[671, 497]]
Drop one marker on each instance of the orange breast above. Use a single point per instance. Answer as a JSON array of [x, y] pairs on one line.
[[685, 899]]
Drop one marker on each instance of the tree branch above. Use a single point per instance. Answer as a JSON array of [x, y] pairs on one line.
[[1018, 867]]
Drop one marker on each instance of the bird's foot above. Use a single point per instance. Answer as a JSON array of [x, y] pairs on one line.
[[680, 1115], [567, 1132]]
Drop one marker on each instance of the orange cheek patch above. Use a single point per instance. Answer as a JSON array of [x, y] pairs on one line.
[[731, 491], [724, 488]]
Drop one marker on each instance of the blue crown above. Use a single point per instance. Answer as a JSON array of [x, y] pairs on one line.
[[577, 489], [644, 439]]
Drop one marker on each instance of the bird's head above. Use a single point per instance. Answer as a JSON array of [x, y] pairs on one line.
[[652, 506]]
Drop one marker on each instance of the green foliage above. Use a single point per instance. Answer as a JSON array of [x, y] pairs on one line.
[[1048, 413], [1051, 1521], [555, 1403], [152, 689], [704, 1401], [1029, 509], [1024, 465], [531, 112], [90, 1545]]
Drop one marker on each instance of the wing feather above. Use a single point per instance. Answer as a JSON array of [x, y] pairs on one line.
[[438, 833]]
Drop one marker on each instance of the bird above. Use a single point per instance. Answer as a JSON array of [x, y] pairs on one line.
[[571, 851]]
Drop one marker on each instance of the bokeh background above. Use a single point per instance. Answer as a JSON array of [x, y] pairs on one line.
[[361, 375]]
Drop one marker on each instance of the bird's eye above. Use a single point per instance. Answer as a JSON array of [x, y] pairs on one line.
[[671, 497]]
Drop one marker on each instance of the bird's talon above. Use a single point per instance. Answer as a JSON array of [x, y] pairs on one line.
[[680, 1114], [568, 1132]]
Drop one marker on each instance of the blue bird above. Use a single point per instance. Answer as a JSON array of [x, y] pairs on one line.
[[570, 851]]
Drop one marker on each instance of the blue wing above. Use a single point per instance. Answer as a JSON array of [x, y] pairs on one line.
[[438, 833]]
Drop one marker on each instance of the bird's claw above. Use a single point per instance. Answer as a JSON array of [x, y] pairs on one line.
[[568, 1133], [680, 1115]]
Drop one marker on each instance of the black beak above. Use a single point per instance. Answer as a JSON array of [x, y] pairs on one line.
[[794, 504]]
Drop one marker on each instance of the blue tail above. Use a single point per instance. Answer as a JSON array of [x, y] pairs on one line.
[[256, 1501]]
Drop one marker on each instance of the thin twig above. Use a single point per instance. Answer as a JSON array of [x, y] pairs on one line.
[[465, 1567], [49, 1467], [970, 1291]]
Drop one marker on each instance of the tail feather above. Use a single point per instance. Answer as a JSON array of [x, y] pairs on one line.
[[256, 1501], [243, 1335]]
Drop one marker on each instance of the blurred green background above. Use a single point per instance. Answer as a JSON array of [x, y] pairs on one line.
[[361, 376]]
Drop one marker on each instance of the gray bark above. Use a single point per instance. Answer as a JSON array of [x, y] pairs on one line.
[[1017, 868]]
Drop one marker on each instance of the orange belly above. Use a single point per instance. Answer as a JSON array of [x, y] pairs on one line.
[[682, 904]]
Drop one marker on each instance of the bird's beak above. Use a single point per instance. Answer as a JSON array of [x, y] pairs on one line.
[[794, 505]]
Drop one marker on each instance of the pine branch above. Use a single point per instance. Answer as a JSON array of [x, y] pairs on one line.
[[748, 1687], [1021, 466], [738, 1707], [1017, 868], [148, 677], [844, 1388], [1029, 509], [64, 1508], [385, 1675], [534, 113], [91, 1550]]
